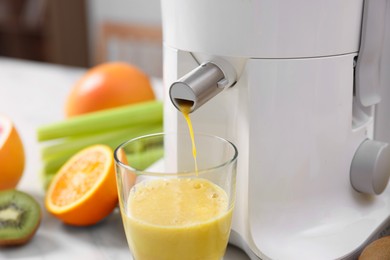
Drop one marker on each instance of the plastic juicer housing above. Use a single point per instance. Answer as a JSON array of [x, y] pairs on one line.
[[307, 112]]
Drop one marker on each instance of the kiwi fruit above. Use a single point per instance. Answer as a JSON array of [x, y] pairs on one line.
[[379, 249], [20, 216]]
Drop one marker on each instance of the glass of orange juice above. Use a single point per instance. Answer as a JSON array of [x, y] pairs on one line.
[[170, 208]]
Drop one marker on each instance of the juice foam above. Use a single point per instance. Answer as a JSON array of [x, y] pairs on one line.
[[178, 219]]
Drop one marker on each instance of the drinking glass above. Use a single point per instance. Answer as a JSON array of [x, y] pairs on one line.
[[170, 208]]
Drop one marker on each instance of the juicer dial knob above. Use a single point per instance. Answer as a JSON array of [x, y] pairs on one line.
[[370, 168]]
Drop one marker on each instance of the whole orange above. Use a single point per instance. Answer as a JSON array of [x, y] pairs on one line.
[[12, 158], [106, 86]]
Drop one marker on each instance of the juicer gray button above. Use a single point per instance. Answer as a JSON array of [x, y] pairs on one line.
[[370, 168]]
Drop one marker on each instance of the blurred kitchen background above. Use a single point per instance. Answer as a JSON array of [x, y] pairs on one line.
[[83, 33]]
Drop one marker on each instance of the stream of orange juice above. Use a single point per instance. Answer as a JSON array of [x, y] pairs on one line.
[[176, 219], [185, 109]]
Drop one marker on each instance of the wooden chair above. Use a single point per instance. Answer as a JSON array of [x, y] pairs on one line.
[[140, 45], [45, 30], [21, 28]]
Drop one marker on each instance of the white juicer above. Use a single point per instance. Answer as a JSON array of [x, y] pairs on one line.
[[302, 87]]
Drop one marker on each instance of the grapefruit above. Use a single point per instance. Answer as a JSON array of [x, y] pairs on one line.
[[12, 158]]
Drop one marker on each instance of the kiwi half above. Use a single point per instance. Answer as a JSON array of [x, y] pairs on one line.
[[20, 216]]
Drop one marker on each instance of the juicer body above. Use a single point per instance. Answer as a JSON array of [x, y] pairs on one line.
[[294, 115]]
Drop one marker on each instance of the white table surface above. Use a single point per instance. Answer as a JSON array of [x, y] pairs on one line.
[[33, 94]]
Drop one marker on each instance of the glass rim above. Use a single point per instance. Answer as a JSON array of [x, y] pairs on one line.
[[172, 174]]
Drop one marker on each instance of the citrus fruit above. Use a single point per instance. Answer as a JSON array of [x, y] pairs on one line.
[[12, 158], [83, 191], [106, 86]]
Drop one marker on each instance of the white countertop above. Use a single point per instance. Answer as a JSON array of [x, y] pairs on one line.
[[33, 94]]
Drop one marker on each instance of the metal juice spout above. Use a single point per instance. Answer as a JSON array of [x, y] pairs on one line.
[[201, 84]]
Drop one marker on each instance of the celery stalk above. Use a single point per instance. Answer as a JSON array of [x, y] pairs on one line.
[[110, 138], [54, 163], [143, 160], [141, 113], [54, 156], [46, 178]]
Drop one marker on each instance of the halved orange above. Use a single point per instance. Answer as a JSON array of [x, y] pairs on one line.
[[83, 191], [12, 158]]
